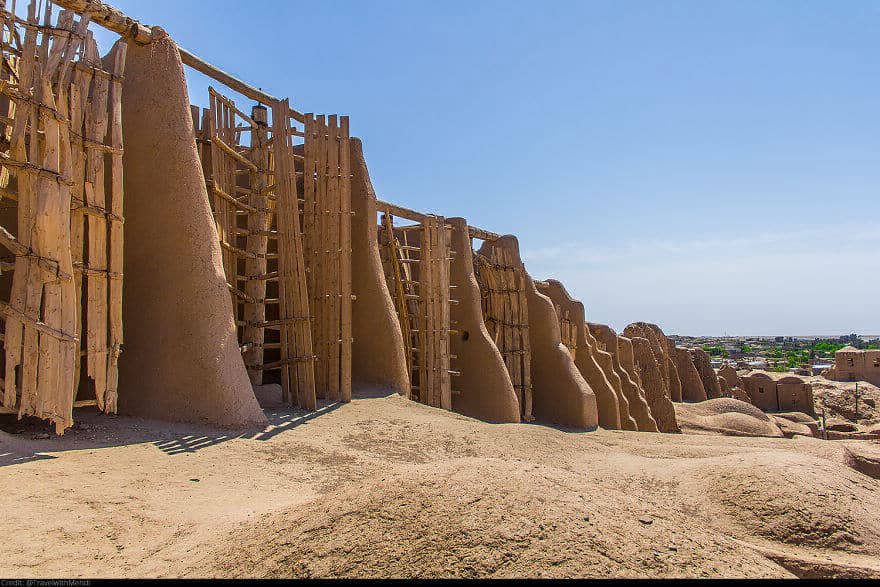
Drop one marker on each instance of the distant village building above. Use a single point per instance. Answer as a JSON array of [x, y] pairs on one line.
[[852, 364], [779, 392]]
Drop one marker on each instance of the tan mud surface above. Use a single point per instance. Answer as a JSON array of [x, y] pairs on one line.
[[386, 487]]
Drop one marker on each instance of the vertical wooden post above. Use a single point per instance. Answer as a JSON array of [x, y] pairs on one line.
[[334, 254], [310, 229], [443, 255], [96, 278], [79, 94], [426, 323], [323, 247], [297, 366], [257, 245], [345, 258], [116, 226]]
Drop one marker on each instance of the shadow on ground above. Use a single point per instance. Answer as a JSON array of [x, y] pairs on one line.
[[28, 439]]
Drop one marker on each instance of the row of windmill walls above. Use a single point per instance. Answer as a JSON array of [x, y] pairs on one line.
[[256, 252]]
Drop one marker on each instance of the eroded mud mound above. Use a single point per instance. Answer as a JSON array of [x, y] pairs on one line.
[[478, 519], [798, 500], [725, 416]]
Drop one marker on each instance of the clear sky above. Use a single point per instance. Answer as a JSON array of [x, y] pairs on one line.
[[711, 166]]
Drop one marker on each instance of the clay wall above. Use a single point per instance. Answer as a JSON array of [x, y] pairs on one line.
[[692, 389], [484, 389], [182, 360], [613, 408], [851, 364], [560, 394], [796, 397], [626, 355], [653, 383], [707, 373], [378, 358], [779, 392], [728, 374], [761, 389], [661, 348], [638, 406]]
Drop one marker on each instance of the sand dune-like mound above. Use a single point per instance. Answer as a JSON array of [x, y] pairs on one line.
[[478, 518], [385, 487], [798, 417], [798, 500], [725, 416], [863, 457], [792, 428]]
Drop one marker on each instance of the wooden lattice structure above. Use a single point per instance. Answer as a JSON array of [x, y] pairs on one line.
[[61, 187], [416, 259], [253, 191], [502, 281], [326, 222]]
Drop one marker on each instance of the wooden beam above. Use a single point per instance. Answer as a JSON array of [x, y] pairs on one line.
[[114, 20], [109, 18], [481, 234], [400, 211]]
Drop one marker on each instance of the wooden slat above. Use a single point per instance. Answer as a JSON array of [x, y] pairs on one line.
[[334, 222], [116, 226], [293, 288], [442, 297], [345, 259], [97, 285], [427, 293], [323, 268], [79, 93], [20, 338]]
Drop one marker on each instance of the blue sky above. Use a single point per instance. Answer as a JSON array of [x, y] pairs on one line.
[[709, 166]]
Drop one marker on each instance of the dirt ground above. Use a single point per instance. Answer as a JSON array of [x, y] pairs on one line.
[[383, 487]]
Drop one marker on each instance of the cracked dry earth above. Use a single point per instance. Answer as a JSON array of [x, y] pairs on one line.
[[383, 487]]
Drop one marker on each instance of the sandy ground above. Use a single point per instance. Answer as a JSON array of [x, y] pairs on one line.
[[386, 487]]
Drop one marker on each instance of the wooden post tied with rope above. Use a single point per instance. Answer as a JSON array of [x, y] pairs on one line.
[[416, 259], [502, 281], [252, 182], [61, 158]]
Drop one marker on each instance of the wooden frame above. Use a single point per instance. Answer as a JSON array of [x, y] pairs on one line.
[[416, 260], [254, 200], [64, 127]]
